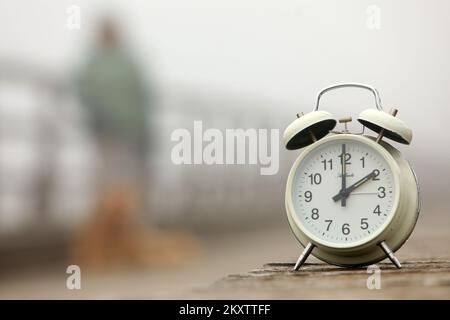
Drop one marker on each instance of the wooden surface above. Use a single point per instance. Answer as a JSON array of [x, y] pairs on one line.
[[236, 266], [417, 279], [425, 274]]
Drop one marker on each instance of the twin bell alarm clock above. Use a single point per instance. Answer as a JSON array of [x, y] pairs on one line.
[[351, 198]]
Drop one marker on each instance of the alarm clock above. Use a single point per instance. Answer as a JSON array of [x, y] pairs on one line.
[[351, 198]]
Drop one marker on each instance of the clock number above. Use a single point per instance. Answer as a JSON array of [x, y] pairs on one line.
[[363, 162], [377, 210], [329, 224], [348, 156], [346, 228], [376, 173], [316, 178], [364, 224], [315, 214], [381, 192], [308, 196], [330, 164]]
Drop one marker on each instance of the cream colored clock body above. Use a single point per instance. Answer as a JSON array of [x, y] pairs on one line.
[[383, 209]]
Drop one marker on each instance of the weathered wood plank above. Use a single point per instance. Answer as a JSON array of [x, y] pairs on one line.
[[427, 279]]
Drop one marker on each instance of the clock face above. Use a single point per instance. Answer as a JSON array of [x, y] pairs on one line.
[[343, 192]]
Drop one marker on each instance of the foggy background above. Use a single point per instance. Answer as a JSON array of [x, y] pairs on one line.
[[232, 64]]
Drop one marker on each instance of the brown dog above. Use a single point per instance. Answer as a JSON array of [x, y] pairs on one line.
[[113, 238]]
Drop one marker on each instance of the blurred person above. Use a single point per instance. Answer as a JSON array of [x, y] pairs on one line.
[[117, 102]]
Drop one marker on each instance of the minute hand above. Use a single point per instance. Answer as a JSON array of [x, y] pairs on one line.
[[346, 192]]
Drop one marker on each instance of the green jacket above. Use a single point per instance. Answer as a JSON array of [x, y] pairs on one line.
[[115, 97]]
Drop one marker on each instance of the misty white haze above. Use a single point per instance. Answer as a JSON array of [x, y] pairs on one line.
[[277, 53]]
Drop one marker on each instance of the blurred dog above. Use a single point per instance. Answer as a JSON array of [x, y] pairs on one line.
[[113, 238]]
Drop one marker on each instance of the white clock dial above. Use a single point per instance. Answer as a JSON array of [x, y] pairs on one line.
[[349, 210]]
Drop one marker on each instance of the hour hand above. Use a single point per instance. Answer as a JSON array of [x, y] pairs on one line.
[[344, 193]]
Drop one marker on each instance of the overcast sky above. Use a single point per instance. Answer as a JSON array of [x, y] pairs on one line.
[[280, 50]]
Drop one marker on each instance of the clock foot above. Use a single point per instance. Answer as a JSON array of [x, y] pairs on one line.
[[390, 254], [306, 252]]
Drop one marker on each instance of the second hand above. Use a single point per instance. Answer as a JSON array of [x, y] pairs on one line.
[[364, 193]]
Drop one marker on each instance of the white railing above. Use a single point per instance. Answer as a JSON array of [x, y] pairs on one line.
[[47, 159]]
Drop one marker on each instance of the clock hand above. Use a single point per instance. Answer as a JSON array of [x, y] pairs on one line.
[[346, 192], [361, 193], [343, 176]]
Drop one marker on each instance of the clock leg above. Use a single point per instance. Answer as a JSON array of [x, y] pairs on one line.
[[390, 254], [306, 252]]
